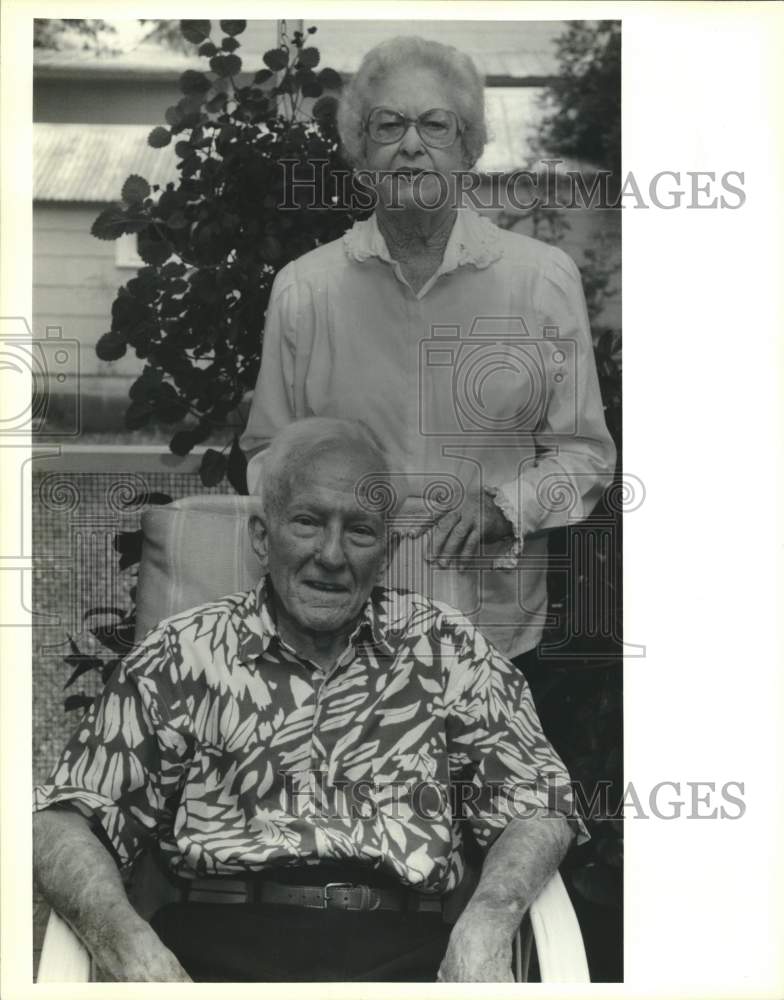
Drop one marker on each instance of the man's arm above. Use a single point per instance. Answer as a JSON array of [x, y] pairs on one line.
[[79, 879], [516, 869]]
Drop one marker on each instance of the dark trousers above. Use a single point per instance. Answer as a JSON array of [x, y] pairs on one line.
[[253, 942]]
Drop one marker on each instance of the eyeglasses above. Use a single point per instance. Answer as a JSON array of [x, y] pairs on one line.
[[437, 128]]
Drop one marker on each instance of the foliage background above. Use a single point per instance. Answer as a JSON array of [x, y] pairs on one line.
[[213, 243]]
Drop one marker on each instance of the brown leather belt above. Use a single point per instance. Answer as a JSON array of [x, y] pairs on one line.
[[332, 896]]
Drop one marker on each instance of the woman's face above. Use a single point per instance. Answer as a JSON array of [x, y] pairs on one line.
[[412, 164]]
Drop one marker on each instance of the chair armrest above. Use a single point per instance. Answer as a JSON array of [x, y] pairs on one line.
[[559, 943], [64, 959]]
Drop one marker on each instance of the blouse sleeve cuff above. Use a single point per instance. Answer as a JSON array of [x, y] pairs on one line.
[[506, 498]]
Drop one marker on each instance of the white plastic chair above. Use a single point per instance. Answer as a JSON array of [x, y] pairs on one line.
[[180, 539]]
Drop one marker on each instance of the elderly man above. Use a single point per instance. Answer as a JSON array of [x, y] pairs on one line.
[[326, 751]]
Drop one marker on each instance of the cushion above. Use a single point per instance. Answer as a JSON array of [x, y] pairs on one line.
[[198, 549], [194, 550]]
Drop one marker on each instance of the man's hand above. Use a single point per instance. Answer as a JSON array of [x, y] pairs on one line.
[[459, 533], [79, 880], [516, 868], [479, 951], [137, 955]]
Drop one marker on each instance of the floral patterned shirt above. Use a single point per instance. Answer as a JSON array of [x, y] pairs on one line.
[[237, 755]]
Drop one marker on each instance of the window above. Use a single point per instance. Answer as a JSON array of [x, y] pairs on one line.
[[126, 253]]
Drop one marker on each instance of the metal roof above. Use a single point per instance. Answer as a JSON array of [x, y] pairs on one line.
[[84, 163], [89, 163]]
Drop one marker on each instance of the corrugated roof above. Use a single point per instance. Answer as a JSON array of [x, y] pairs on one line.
[[512, 115], [90, 162], [84, 163]]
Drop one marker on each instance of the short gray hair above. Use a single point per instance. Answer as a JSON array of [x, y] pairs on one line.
[[446, 61], [303, 440]]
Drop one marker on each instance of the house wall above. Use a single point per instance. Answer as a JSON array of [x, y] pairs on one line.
[[76, 278], [123, 102]]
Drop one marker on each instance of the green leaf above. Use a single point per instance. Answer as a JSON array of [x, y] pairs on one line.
[[75, 701], [182, 443], [263, 75], [117, 638], [177, 220], [110, 224], [193, 82], [237, 468], [129, 546], [216, 103], [270, 249], [138, 415], [228, 65], [325, 109], [311, 88], [135, 189], [309, 58], [82, 663], [208, 49], [213, 467], [329, 79], [154, 251], [229, 44], [195, 31], [174, 116], [276, 59], [159, 137], [111, 346], [233, 27]]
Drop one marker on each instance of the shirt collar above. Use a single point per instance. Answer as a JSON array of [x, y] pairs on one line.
[[257, 628], [474, 241]]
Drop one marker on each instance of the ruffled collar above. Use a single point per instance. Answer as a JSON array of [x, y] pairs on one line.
[[474, 241]]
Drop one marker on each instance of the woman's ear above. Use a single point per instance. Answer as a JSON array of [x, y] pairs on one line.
[[259, 538]]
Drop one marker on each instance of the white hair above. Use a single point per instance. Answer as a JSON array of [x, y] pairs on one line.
[[301, 442], [454, 67]]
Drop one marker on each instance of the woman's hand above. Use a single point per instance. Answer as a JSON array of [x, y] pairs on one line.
[[459, 533]]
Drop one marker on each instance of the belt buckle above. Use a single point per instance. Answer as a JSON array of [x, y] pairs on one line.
[[332, 885], [370, 898]]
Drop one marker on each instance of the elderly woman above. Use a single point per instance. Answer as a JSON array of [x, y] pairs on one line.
[[464, 347]]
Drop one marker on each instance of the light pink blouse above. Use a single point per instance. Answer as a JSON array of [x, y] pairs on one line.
[[484, 379]]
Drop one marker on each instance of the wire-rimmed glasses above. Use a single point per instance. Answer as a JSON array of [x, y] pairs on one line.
[[438, 127]]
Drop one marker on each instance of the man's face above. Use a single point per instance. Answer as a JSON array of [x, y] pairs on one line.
[[324, 550]]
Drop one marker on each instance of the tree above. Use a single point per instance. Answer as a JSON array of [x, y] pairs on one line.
[[584, 103], [214, 240], [55, 33]]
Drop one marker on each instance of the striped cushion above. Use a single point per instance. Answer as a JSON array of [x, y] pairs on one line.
[[198, 549], [194, 550]]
